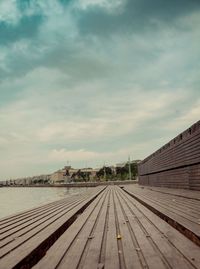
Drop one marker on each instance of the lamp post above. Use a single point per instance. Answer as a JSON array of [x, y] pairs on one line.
[[129, 168], [104, 171]]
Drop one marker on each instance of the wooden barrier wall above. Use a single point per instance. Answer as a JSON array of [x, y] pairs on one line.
[[176, 164]]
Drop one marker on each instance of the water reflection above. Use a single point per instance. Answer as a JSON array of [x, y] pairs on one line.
[[14, 200]]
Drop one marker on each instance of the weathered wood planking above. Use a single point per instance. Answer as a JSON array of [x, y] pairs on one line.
[[116, 231], [25, 237], [182, 212], [176, 164], [188, 194], [178, 152]]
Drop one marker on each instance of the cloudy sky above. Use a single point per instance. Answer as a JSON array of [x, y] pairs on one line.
[[92, 81]]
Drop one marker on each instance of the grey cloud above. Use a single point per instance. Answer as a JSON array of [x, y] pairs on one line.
[[26, 28], [137, 15], [82, 58]]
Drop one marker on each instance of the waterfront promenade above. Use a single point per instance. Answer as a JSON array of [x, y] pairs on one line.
[[106, 227]]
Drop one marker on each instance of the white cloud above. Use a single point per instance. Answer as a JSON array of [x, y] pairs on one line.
[[120, 91], [3, 59], [43, 115], [9, 12], [109, 5], [78, 155], [3, 141], [187, 118], [97, 157], [135, 109], [83, 155]]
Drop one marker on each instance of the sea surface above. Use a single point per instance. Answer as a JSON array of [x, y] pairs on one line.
[[14, 200]]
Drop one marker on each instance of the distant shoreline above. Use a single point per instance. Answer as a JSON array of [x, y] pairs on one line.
[[75, 185]]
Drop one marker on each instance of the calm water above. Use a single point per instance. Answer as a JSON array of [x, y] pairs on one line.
[[14, 200]]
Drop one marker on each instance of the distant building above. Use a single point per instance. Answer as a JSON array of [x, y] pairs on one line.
[[57, 177], [65, 175], [30, 180], [69, 174]]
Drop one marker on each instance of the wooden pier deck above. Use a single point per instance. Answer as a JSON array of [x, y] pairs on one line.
[[181, 208], [105, 228], [25, 237]]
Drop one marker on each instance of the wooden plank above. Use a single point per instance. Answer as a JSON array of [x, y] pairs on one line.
[[149, 257], [33, 218], [130, 246], [95, 253], [75, 254], [9, 227], [31, 227], [57, 252], [20, 217], [118, 232], [111, 253], [182, 221], [27, 249], [188, 208], [184, 153], [175, 250]]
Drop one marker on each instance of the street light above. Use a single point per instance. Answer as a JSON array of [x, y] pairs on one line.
[[104, 170], [129, 168]]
